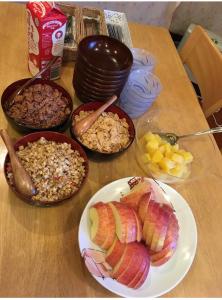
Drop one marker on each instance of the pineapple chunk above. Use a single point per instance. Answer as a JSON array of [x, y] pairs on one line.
[[149, 136], [166, 164], [177, 171], [157, 156], [175, 147], [152, 146], [188, 157], [177, 158]]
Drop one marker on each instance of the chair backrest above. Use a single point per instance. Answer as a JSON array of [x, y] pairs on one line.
[[204, 60]]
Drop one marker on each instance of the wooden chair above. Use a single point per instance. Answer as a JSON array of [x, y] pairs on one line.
[[204, 60]]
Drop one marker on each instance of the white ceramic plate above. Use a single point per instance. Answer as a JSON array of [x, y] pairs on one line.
[[161, 279]]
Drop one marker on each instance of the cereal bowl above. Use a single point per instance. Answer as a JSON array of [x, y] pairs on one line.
[[39, 109], [56, 163], [113, 118]]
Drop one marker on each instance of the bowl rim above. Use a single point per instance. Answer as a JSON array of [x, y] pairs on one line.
[[110, 40], [18, 83], [110, 108], [37, 136], [95, 72]]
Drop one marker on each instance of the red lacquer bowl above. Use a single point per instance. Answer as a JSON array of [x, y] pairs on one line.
[[23, 128], [114, 109], [50, 136]]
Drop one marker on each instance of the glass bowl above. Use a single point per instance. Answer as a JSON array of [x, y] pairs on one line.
[[194, 169]]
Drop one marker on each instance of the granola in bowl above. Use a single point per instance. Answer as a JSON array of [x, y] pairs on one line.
[[109, 133], [57, 167]]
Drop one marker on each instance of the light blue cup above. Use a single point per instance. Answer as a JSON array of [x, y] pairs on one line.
[[140, 91], [142, 60]]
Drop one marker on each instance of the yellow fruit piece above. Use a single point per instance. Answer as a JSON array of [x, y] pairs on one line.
[[177, 171], [166, 164], [151, 146], [157, 156], [175, 147], [158, 138], [146, 158], [188, 157], [177, 158], [149, 136]]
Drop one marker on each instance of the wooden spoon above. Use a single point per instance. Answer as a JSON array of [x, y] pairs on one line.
[[23, 181], [83, 125]]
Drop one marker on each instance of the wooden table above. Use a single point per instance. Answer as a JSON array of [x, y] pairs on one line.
[[39, 254]]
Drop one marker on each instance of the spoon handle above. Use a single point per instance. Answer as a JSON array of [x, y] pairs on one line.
[[208, 131], [8, 143], [21, 88], [104, 106]]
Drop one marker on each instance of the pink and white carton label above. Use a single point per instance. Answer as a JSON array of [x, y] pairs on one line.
[[46, 32]]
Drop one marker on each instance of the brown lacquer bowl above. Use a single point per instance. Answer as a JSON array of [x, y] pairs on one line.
[[50, 136]]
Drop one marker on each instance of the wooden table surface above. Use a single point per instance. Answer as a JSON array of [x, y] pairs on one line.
[[39, 254]]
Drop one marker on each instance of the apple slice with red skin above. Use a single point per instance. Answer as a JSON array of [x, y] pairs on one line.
[[144, 265], [138, 256], [164, 255], [101, 218], [124, 260], [170, 243], [143, 278], [115, 252], [151, 219], [146, 220], [138, 227], [125, 222], [133, 198], [110, 230], [143, 206], [161, 227]]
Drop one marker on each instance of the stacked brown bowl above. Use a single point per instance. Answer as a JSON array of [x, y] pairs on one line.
[[102, 67]]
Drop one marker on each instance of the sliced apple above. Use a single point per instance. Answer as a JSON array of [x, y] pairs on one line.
[[130, 250], [115, 252], [161, 226], [139, 275], [101, 218], [170, 243], [133, 267], [143, 278], [110, 230], [150, 222], [138, 227], [133, 198], [125, 222], [166, 252], [143, 206]]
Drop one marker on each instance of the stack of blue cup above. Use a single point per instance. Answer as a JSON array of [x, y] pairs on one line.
[[142, 87]]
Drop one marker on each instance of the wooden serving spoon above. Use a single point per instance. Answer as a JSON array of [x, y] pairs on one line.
[[83, 125], [23, 181]]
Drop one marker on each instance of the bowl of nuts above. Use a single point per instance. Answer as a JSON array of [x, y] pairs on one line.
[[42, 106], [58, 166], [112, 132]]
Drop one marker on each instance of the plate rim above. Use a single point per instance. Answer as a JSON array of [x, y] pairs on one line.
[[162, 184]]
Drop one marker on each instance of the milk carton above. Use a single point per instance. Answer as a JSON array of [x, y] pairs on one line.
[[46, 32]]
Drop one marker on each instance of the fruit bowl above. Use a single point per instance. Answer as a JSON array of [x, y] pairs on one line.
[[187, 168]]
